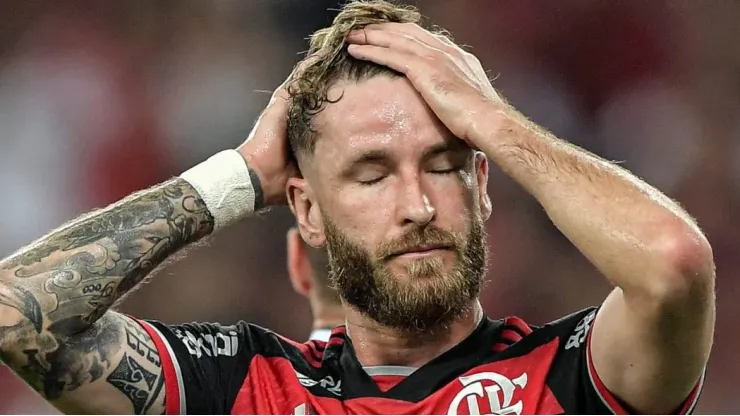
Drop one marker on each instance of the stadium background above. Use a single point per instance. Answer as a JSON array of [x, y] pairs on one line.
[[98, 99]]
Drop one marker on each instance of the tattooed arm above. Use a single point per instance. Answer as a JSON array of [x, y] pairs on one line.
[[56, 330]]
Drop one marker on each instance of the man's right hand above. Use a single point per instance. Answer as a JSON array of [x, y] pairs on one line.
[[267, 151]]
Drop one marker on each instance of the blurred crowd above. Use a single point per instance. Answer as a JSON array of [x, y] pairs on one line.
[[98, 99]]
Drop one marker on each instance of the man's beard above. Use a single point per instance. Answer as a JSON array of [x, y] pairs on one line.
[[429, 297]]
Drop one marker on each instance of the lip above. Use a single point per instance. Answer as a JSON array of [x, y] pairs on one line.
[[420, 251]]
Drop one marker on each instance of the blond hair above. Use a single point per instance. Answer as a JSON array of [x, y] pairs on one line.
[[328, 62]]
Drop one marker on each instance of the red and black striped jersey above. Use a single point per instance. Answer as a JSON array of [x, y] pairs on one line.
[[503, 367]]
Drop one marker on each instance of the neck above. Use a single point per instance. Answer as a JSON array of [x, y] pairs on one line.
[[379, 345], [327, 317]]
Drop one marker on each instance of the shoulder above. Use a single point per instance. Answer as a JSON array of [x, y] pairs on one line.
[[207, 364], [555, 356], [570, 331], [575, 326], [215, 339], [245, 341]]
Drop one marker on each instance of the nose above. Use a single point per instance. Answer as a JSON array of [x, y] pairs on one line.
[[415, 206]]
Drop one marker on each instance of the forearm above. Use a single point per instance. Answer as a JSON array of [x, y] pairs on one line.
[[53, 293], [625, 227], [65, 281]]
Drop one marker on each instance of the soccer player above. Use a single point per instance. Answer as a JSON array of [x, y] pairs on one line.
[[308, 269], [393, 127]]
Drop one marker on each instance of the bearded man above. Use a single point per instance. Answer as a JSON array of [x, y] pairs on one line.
[[379, 142]]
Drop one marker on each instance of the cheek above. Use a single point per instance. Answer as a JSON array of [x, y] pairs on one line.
[[362, 214], [455, 193]]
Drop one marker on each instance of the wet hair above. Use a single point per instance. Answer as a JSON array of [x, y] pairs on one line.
[[328, 62]]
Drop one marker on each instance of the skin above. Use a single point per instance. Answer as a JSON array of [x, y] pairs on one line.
[[425, 175], [643, 242], [327, 311], [57, 330]]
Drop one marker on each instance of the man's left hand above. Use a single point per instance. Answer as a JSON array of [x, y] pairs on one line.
[[451, 80]]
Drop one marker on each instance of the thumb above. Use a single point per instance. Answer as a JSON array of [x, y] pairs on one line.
[[274, 118]]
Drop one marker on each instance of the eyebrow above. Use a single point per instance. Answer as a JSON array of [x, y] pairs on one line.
[[382, 157], [443, 147], [371, 156]]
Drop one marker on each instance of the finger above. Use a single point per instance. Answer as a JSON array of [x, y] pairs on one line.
[[282, 90], [392, 58], [304, 63], [275, 114], [415, 31], [385, 39], [279, 99], [447, 42], [392, 40]]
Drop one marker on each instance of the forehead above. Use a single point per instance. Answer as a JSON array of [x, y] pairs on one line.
[[380, 113]]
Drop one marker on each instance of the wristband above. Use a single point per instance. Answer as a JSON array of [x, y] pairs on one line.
[[223, 182]]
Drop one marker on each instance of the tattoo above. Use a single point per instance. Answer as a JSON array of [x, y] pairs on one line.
[[259, 197], [63, 284], [24, 302], [136, 339], [52, 365], [136, 383]]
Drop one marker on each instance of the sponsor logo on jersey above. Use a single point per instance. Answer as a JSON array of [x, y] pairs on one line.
[[579, 334], [211, 345], [332, 386], [490, 392]]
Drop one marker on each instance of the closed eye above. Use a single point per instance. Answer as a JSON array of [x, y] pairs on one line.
[[444, 171], [372, 181]]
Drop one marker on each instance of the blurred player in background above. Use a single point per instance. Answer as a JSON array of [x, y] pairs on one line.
[[308, 270], [383, 158]]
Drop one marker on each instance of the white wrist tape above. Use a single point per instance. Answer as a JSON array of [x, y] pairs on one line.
[[223, 183]]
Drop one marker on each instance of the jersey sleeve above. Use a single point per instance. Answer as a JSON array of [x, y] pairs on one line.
[[204, 364], [573, 378]]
